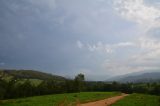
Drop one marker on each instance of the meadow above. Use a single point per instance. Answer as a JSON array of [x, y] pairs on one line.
[[54, 100], [139, 100]]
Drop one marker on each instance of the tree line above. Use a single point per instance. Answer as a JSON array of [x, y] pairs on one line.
[[11, 89]]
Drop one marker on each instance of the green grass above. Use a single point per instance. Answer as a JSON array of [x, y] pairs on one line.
[[54, 100], [139, 100]]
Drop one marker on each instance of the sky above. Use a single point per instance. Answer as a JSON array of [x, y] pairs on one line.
[[99, 38]]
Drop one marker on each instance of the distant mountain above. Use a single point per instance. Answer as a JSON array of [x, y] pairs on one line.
[[137, 77], [28, 74]]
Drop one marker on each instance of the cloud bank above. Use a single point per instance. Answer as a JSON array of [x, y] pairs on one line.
[[97, 37]]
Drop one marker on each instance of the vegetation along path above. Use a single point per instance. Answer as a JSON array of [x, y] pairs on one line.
[[105, 102]]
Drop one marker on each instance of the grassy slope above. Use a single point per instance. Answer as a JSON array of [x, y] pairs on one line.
[[54, 100], [139, 100], [28, 74], [35, 77]]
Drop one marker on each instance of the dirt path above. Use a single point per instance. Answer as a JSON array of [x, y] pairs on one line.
[[105, 102]]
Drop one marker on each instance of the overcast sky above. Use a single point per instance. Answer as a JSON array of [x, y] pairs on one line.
[[99, 38]]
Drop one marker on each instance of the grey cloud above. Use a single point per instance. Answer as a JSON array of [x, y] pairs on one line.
[[105, 48], [48, 34]]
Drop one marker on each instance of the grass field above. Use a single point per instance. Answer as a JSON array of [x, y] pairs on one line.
[[54, 100], [139, 100]]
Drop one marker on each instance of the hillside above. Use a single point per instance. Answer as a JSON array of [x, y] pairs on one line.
[[28, 74], [137, 77]]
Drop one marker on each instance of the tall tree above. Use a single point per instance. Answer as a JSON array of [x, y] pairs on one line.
[[79, 82]]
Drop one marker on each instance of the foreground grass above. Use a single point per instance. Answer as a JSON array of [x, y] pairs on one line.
[[139, 100], [54, 100]]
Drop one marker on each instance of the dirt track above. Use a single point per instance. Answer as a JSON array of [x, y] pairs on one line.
[[105, 102]]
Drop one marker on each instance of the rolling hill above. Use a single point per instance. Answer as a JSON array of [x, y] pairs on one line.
[[28, 74], [137, 77]]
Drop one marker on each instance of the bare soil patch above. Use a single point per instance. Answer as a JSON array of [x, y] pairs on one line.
[[105, 102]]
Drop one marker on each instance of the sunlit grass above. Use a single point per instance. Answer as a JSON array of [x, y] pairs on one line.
[[54, 100], [139, 100]]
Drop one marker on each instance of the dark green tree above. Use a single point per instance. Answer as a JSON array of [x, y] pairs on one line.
[[79, 82], [3, 86]]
